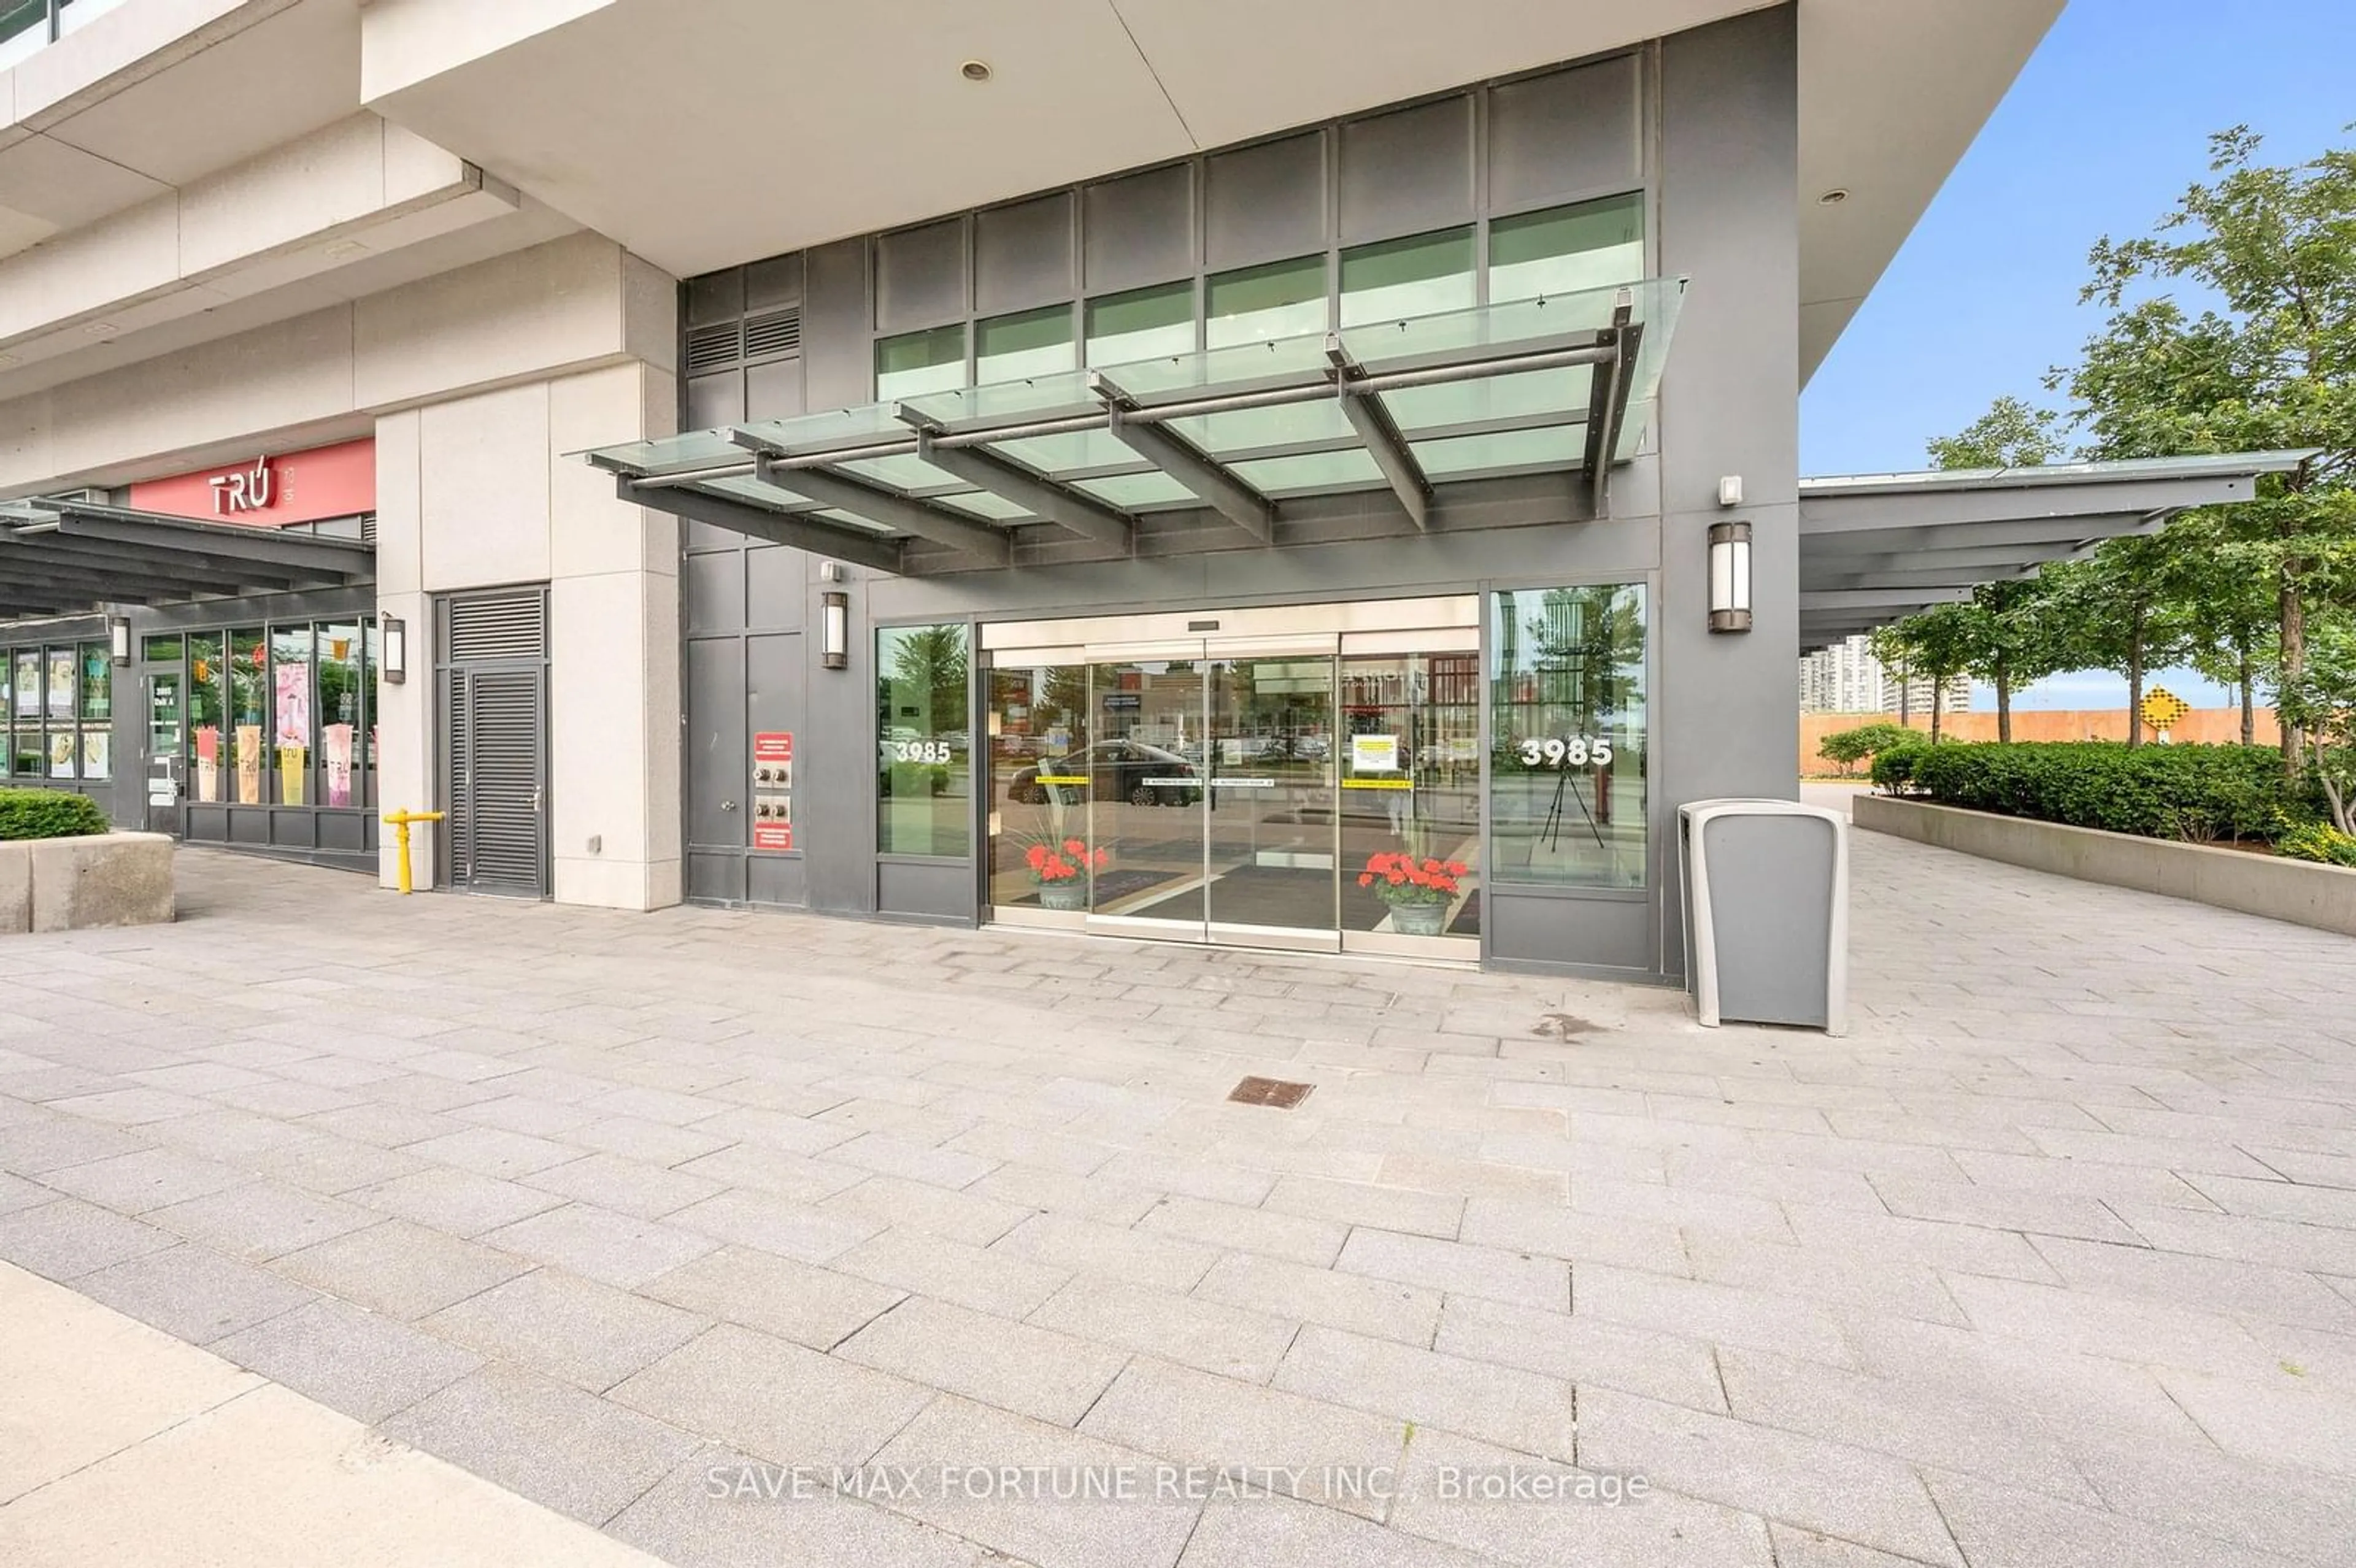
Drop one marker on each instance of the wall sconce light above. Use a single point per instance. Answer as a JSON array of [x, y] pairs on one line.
[[834, 630], [1729, 577], [119, 629], [394, 667]]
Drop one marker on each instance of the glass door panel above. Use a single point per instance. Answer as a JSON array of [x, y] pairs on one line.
[[1038, 731], [1144, 772], [166, 722], [1270, 822], [1410, 786]]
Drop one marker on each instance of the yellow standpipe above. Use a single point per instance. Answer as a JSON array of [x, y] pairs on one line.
[[401, 821]]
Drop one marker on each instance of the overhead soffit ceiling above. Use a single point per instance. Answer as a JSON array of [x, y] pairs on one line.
[[813, 123]]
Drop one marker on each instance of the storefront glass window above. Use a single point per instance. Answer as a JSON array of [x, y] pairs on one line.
[[1280, 299], [61, 685], [209, 754], [291, 708], [372, 683], [1143, 324], [1398, 279], [919, 362], [1567, 736], [249, 714], [1565, 248], [1038, 726], [97, 711], [339, 714], [1016, 347], [925, 772], [1410, 767]]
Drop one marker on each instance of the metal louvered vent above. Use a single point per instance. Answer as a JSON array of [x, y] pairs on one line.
[[715, 346], [497, 627], [778, 332], [367, 530], [498, 819]]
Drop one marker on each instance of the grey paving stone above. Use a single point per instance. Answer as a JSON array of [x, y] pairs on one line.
[[15, 1193], [624, 1184], [1020, 1367], [655, 1143], [2279, 1420], [723, 1509], [775, 1224], [777, 1295], [29, 1148], [384, 1125], [567, 1327], [1867, 1283], [600, 1244], [348, 1360], [1731, 1315], [333, 1165], [795, 1177], [399, 1268], [961, 1216], [192, 1292], [1316, 1243], [1843, 1491], [136, 1183], [521, 1113], [1232, 1341], [2004, 1526], [1029, 1521], [987, 1280], [663, 1105], [1797, 1548], [1580, 1349], [1557, 1231], [2317, 1245], [1209, 1181], [493, 1151], [779, 1400], [262, 1220], [568, 1450], [458, 1201], [1273, 1531], [1195, 1418], [2214, 1284], [1531, 1279], [1521, 1409], [68, 1238], [1385, 1308], [225, 1135], [892, 1155], [1361, 1203], [2144, 1332], [130, 1107], [1086, 1246], [1060, 1192]]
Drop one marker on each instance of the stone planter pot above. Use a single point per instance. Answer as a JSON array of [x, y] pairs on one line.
[[1069, 894], [1419, 919]]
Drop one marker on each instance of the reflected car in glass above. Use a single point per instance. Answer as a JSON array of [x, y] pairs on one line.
[[1114, 770]]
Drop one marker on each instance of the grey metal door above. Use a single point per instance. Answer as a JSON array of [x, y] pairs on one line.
[[495, 743]]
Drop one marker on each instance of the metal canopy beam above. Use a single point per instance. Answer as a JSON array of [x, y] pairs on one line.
[[1608, 402], [1010, 482], [1380, 434], [92, 588], [1830, 510], [1186, 463], [815, 535], [307, 555], [921, 519], [2024, 534], [57, 553], [1870, 599]]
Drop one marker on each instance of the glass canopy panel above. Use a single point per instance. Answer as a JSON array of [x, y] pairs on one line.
[[895, 474], [1469, 456], [982, 504], [1276, 299], [675, 454], [1424, 274], [1211, 370], [1565, 394], [1311, 472], [1249, 430], [1065, 392], [1059, 454], [1134, 492], [865, 424], [758, 492], [1659, 314], [1567, 250]]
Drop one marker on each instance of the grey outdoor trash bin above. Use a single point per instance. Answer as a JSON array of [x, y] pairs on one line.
[[1766, 885]]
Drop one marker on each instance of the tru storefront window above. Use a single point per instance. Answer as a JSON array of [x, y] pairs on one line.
[[57, 704], [1568, 764], [280, 715], [924, 779]]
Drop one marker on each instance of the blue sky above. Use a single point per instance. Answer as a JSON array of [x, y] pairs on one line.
[[2105, 129]]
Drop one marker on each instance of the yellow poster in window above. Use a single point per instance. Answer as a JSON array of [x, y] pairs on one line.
[[293, 762]]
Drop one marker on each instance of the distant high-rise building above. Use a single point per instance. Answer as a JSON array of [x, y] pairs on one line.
[[1848, 678]]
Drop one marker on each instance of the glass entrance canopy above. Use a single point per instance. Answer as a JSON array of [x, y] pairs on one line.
[[1510, 412]]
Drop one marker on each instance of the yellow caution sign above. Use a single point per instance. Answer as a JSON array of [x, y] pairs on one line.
[[2163, 709]]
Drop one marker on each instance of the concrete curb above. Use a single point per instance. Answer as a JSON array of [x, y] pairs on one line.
[[2323, 897], [79, 884]]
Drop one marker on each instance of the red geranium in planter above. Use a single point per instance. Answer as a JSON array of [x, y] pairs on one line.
[[1064, 870], [1398, 879]]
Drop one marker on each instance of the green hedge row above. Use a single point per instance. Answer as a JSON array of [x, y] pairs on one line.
[[47, 813], [2196, 792]]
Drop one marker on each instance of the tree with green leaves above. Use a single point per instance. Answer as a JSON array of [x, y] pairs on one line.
[[2120, 610], [2271, 367], [1938, 643], [2321, 704], [2011, 434]]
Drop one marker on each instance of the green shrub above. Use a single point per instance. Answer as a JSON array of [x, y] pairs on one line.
[[1893, 766], [47, 813], [1850, 747], [2197, 793], [2318, 841]]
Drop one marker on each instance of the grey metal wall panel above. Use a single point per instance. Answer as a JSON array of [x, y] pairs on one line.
[[779, 880], [838, 367], [1575, 132], [715, 296], [1590, 933], [1408, 171], [772, 391], [1139, 230], [703, 536], [774, 283], [1264, 203], [920, 276], [715, 591], [834, 765], [338, 830], [944, 892], [1022, 254], [293, 830], [718, 765], [715, 878], [715, 399], [775, 576], [249, 827]]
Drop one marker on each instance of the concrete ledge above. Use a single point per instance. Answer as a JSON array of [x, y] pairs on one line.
[[107, 879], [15, 889], [2303, 893]]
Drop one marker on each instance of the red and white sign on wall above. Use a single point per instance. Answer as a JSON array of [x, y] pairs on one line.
[[272, 490]]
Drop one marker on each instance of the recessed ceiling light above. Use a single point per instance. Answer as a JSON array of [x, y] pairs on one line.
[[1834, 197], [975, 71]]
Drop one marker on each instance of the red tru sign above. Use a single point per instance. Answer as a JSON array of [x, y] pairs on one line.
[[242, 490]]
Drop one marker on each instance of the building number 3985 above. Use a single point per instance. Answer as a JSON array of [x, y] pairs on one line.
[[921, 751], [1567, 752]]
